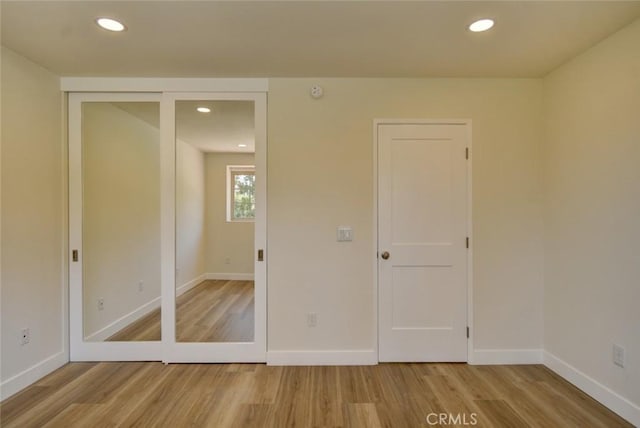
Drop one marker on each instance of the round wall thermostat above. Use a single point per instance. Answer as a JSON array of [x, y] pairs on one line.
[[316, 91]]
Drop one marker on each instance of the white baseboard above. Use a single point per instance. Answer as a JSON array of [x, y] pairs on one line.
[[506, 356], [232, 276], [322, 358], [34, 373], [190, 284], [123, 321], [609, 398]]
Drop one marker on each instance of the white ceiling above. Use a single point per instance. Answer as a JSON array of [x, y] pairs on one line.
[[300, 39], [308, 38]]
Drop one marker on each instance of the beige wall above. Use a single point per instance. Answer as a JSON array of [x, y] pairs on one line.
[[190, 214], [320, 177], [226, 240], [576, 131], [33, 207], [121, 214], [592, 211], [577, 128]]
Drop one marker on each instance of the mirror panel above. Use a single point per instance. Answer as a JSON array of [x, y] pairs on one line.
[[121, 221], [215, 202]]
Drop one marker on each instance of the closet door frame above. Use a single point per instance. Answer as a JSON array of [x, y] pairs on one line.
[[165, 91]]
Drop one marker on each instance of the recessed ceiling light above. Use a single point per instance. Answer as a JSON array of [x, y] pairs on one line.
[[204, 109], [481, 25], [110, 24], [242, 145]]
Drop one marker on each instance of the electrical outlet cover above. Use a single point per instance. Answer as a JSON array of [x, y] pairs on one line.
[[618, 355], [25, 336]]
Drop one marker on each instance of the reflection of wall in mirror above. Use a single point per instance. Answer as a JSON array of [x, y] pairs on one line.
[[229, 244], [121, 212], [190, 217]]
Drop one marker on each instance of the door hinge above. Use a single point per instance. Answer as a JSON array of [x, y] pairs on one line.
[[467, 242], [466, 153], [260, 255], [74, 255], [467, 332]]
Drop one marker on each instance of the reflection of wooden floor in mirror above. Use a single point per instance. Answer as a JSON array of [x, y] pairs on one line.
[[212, 311], [146, 329], [216, 311]]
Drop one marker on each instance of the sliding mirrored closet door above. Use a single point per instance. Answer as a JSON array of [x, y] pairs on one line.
[[215, 217], [114, 193], [220, 291], [167, 226]]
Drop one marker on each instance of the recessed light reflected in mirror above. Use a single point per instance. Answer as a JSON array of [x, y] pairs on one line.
[[481, 25], [204, 109], [242, 146], [110, 24]]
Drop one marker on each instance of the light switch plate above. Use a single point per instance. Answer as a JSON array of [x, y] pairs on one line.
[[345, 234]]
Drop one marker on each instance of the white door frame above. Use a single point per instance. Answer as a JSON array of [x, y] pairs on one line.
[[152, 89], [467, 123]]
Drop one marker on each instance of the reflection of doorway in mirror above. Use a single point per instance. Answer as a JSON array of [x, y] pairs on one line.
[[214, 253]]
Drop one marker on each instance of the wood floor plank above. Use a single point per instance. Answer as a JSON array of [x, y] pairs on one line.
[[362, 415], [265, 385], [23, 401], [252, 415], [166, 398], [498, 413], [356, 387], [410, 413], [256, 395], [106, 383], [585, 402], [43, 388], [515, 391], [469, 381], [75, 391], [66, 374], [450, 395], [77, 415], [134, 394]]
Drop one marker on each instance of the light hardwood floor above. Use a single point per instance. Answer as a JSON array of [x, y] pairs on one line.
[[256, 395], [212, 311]]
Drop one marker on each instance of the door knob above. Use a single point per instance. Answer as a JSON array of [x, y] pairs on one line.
[[385, 255]]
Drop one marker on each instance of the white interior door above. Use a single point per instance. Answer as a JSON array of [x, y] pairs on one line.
[[422, 241]]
